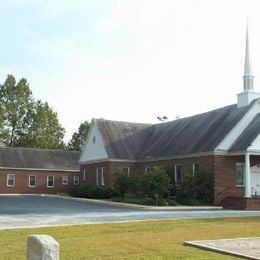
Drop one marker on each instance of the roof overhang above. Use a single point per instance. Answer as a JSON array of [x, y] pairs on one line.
[[37, 169]]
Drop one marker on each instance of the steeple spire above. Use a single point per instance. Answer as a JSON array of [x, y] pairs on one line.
[[248, 71], [248, 95]]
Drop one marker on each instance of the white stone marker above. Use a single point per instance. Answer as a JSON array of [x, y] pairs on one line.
[[42, 247]]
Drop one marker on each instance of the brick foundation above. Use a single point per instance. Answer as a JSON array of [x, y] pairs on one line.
[[241, 203]]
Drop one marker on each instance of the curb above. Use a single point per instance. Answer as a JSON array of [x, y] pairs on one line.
[[143, 207]]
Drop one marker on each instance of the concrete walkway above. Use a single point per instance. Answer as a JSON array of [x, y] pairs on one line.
[[248, 248]]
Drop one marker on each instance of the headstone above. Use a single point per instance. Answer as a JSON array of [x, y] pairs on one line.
[[42, 247]]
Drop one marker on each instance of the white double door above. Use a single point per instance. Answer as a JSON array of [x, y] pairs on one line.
[[255, 180]]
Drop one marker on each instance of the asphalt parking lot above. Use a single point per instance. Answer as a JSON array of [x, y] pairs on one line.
[[35, 211]]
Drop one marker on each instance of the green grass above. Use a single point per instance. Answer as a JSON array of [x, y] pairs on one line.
[[134, 240]]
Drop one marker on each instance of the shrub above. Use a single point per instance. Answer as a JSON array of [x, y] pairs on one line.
[[194, 188], [154, 184], [92, 192]]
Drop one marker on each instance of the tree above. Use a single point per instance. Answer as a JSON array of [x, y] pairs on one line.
[[16, 103], [78, 139], [120, 182], [156, 183], [26, 122], [44, 131]]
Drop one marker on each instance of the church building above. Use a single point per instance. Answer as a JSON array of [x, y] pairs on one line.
[[224, 143]]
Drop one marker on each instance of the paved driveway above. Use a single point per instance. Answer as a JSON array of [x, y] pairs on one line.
[[33, 211]]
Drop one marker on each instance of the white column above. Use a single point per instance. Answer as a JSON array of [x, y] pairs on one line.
[[247, 176]]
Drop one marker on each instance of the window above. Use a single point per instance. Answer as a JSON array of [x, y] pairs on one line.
[[10, 180], [195, 167], [126, 170], [147, 169], [84, 174], [75, 180], [32, 181], [50, 181], [65, 180], [97, 179], [177, 173], [240, 174], [102, 176]]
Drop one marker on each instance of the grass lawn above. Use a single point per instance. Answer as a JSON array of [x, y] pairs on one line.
[[134, 240]]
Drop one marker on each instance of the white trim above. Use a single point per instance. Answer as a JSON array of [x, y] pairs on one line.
[[215, 153], [48, 181], [238, 129], [29, 183], [247, 176], [35, 169], [7, 179], [224, 153]]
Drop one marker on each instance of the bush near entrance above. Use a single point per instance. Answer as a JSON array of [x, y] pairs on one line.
[[151, 188], [194, 188]]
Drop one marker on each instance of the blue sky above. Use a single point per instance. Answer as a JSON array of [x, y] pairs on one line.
[[129, 60]]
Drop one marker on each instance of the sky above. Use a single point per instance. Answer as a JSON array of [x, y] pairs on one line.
[[129, 60]]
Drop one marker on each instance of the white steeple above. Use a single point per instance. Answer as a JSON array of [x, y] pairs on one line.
[[248, 95], [248, 71]]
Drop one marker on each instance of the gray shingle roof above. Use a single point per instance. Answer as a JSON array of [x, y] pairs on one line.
[[123, 140], [248, 135], [14, 157], [195, 134]]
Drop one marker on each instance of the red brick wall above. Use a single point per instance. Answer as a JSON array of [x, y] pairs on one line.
[[22, 181], [224, 178], [109, 167], [222, 169]]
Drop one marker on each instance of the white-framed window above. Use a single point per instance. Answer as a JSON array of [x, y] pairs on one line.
[[97, 177], [50, 181], [85, 175], [32, 181], [126, 170], [195, 167], [102, 176], [147, 169], [10, 180], [177, 174], [75, 180], [65, 180], [240, 174]]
